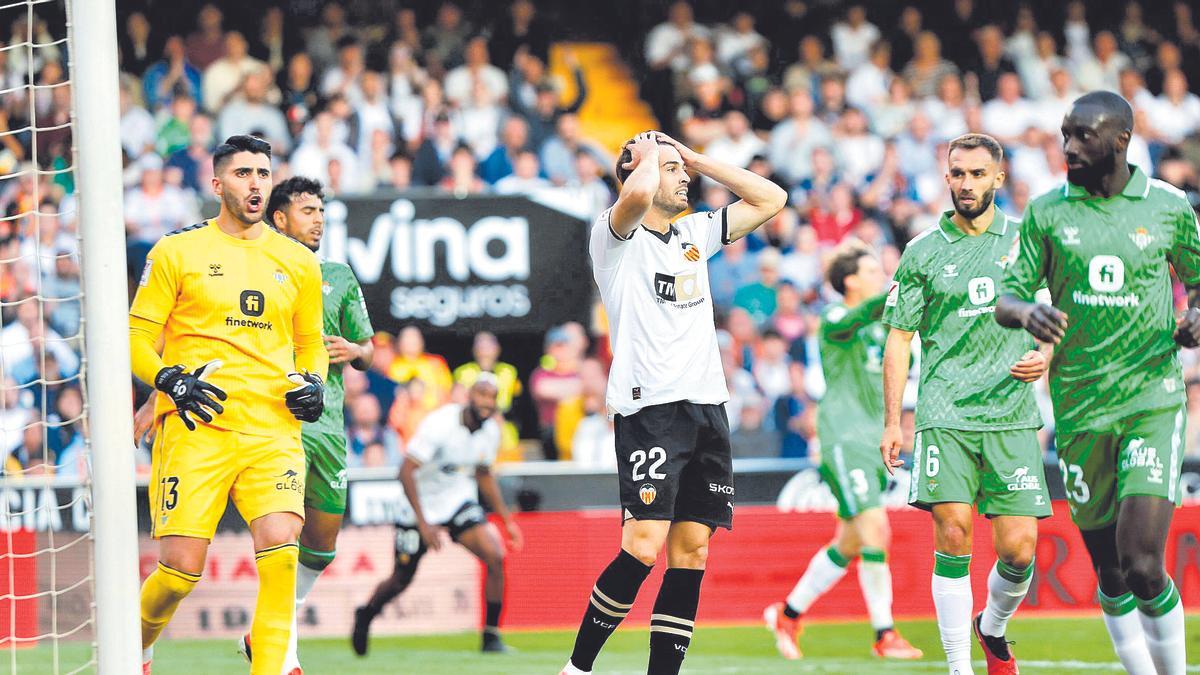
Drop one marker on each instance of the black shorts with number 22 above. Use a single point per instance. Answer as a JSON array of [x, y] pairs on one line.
[[675, 463]]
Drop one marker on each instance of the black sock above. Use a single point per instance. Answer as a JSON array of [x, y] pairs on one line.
[[880, 631], [612, 596], [493, 615], [789, 612], [673, 619]]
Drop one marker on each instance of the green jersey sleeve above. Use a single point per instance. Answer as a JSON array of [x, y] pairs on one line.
[[841, 324], [356, 325], [1185, 254], [1027, 273], [906, 301]]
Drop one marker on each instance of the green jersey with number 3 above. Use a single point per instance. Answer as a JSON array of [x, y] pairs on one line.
[[345, 314], [1107, 263], [945, 289], [851, 342]]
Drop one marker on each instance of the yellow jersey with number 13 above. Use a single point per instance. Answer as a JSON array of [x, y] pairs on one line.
[[255, 304]]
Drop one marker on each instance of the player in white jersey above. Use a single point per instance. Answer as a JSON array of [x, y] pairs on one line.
[[446, 468], [666, 387]]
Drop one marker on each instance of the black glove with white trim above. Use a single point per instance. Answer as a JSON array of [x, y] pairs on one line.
[[307, 400], [191, 394]]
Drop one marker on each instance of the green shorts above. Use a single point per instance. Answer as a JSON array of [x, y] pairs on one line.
[[325, 488], [856, 476], [1139, 455], [999, 471]]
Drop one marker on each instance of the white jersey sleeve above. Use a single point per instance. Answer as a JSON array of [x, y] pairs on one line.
[[604, 246], [710, 228], [426, 443], [489, 443]]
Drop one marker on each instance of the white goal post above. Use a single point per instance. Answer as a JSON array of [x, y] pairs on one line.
[[106, 336]]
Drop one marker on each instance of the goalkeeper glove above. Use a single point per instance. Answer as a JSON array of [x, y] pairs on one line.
[[191, 394], [306, 401]]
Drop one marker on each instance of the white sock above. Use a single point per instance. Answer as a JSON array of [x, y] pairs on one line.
[[306, 577], [825, 569], [148, 654], [875, 580], [951, 587], [570, 669], [1125, 631], [1162, 622], [1007, 587]]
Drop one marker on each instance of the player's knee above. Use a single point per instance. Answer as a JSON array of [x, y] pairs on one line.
[[1143, 574], [494, 561], [644, 550], [690, 555], [1018, 553], [954, 538]]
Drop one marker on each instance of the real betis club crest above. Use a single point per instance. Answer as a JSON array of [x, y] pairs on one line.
[[1141, 238]]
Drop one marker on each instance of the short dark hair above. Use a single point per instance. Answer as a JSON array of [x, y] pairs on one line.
[[845, 263], [972, 141], [627, 156], [281, 195], [236, 144]]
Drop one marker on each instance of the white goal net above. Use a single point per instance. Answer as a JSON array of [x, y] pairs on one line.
[[48, 536]]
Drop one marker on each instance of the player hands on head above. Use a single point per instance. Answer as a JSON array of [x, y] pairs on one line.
[[666, 386], [231, 291], [446, 470], [1106, 244]]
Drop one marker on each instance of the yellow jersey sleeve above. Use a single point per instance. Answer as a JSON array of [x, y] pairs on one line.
[[311, 354], [158, 288]]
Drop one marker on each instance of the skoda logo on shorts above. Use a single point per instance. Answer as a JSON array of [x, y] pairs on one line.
[[648, 493]]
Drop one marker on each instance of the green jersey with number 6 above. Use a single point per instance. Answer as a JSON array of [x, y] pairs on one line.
[[945, 289], [1107, 264]]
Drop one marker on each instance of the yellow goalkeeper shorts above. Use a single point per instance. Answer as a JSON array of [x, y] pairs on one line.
[[195, 473]]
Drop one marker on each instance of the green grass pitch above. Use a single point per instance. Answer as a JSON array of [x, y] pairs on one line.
[[1043, 645]]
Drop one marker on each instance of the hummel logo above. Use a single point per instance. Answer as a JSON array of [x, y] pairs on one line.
[[214, 270], [1070, 235], [950, 271]]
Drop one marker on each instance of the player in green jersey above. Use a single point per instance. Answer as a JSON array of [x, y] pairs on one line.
[[1105, 243], [977, 422], [297, 209], [849, 424]]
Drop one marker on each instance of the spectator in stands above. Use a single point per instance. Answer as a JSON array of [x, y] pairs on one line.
[[789, 321], [17, 353], [346, 79], [514, 138], [792, 141], [852, 38], [801, 265], [312, 158], [433, 156], [666, 55], [868, 84], [274, 40], [174, 129], [525, 179], [412, 362], [206, 44], [731, 269], [486, 352], [174, 73], [154, 208], [1168, 57], [927, 67], [1102, 68], [795, 415], [558, 153], [13, 418], [588, 401], [478, 69], [522, 29], [737, 144], [365, 430], [372, 113], [836, 218], [138, 130], [298, 92], [859, 152], [399, 174], [195, 160], [811, 69], [1035, 68], [461, 177], [322, 44], [446, 39], [904, 37], [1175, 114], [535, 96], [64, 437], [758, 298], [555, 380], [138, 45], [225, 76], [593, 185], [990, 63], [772, 367], [250, 111], [1008, 115], [62, 290], [480, 119]]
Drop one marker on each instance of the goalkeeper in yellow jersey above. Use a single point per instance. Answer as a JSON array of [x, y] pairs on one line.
[[243, 363]]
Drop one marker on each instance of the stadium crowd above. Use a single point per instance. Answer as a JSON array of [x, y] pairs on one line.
[[847, 106]]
